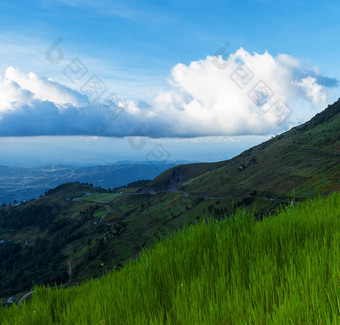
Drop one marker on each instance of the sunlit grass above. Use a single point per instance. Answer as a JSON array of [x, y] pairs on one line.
[[99, 213], [103, 198], [282, 270]]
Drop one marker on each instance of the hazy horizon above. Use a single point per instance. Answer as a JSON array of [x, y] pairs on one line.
[[86, 151]]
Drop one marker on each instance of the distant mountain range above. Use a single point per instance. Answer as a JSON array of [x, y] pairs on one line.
[[23, 184]]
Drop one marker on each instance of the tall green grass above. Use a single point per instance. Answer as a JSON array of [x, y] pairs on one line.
[[282, 270]]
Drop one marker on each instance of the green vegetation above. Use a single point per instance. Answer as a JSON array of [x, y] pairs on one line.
[[282, 270], [40, 236], [109, 228], [103, 198], [305, 158], [21, 265], [99, 213]]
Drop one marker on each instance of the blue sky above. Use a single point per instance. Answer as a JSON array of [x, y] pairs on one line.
[[153, 56], [154, 35]]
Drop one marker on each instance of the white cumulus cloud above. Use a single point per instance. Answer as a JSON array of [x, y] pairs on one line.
[[247, 93], [46, 90]]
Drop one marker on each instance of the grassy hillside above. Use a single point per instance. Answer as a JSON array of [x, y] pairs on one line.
[[305, 159], [101, 198], [171, 178], [284, 269], [95, 233]]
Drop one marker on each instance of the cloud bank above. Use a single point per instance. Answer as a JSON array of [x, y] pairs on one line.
[[244, 94]]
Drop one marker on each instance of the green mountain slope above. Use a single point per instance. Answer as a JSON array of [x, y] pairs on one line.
[[69, 236], [284, 269], [305, 159]]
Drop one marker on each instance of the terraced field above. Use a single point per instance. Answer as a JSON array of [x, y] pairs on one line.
[[103, 198]]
